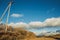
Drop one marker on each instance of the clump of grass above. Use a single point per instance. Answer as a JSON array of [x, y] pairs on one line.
[[16, 34]]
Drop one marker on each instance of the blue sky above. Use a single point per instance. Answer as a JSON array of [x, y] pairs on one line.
[[32, 10]]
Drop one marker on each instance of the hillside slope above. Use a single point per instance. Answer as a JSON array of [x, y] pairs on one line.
[[15, 34], [21, 34]]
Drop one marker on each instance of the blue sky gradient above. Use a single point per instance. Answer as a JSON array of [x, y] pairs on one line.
[[33, 10]]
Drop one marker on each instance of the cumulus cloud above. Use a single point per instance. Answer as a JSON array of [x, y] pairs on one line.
[[16, 15], [52, 22], [47, 22], [46, 33], [20, 24], [36, 24]]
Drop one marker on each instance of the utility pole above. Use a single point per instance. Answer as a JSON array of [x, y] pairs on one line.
[[7, 9], [8, 16]]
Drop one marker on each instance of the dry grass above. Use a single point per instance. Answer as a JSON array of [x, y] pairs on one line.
[[20, 34], [15, 34]]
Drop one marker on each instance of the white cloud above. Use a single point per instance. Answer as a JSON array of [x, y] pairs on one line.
[[47, 33], [36, 24], [16, 15], [47, 22], [20, 24], [43, 31], [52, 22]]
